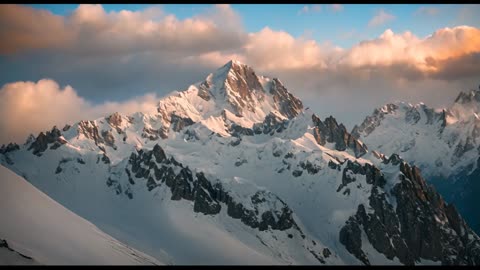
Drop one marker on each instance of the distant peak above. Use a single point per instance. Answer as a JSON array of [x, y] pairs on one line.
[[233, 69], [466, 97], [235, 62]]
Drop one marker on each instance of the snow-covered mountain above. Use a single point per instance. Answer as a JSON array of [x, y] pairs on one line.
[[444, 143], [34, 229], [233, 170]]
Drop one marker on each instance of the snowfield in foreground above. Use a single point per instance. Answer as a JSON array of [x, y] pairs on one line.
[[36, 226]]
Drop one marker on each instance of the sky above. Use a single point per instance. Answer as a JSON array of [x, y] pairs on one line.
[[66, 62]]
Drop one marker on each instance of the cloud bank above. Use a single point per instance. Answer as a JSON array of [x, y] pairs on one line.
[[124, 57], [32, 107], [381, 18]]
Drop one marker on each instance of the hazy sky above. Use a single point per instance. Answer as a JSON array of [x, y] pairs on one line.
[[63, 63]]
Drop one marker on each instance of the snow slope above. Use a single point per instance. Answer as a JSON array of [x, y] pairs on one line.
[[38, 227], [444, 143]]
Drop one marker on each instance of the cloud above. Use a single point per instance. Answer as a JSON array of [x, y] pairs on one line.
[[427, 11], [380, 18], [337, 7], [30, 107], [285, 53], [90, 30], [310, 9], [23, 27], [122, 56], [349, 83], [402, 55]]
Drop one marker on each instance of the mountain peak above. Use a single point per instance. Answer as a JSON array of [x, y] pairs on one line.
[[467, 97], [233, 69], [235, 62], [240, 86]]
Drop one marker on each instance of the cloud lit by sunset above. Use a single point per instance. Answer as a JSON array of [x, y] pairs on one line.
[[95, 54]]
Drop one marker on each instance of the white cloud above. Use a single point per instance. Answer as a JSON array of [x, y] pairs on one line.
[[381, 18], [91, 30], [310, 9], [31, 107], [429, 11], [337, 7], [109, 55]]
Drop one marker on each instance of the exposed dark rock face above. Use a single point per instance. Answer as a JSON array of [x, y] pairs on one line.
[[462, 148], [90, 130], [9, 148], [297, 173], [116, 185], [246, 84], [287, 103], [239, 131], [326, 252], [178, 123], [473, 95], [330, 131], [241, 86], [154, 134], [334, 165], [421, 226], [236, 141], [373, 121], [208, 198], [109, 139], [203, 91], [191, 135], [66, 127], [412, 116], [270, 125], [4, 244], [41, 142], [115, 120], [239, 163], [351, 237], [105, 159], [373, 175], [81, 161], [311, 168]]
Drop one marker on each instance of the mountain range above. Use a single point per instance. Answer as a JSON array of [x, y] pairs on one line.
[[234, 170]]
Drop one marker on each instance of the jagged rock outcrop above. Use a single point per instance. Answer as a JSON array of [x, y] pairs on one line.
[[373, 121], [108, 138], [467, 97], [9, 148], [155, 134], [287, 103], [243, 81], [419, 225], [115, 120], [42, 141], [90, 130], [270, 125], [443, 142], [178, 123], [268, 210], [239, 131], [330, 131], [66, 127], [242, 89]]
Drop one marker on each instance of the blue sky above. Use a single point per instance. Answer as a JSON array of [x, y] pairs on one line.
[[323, 24]]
